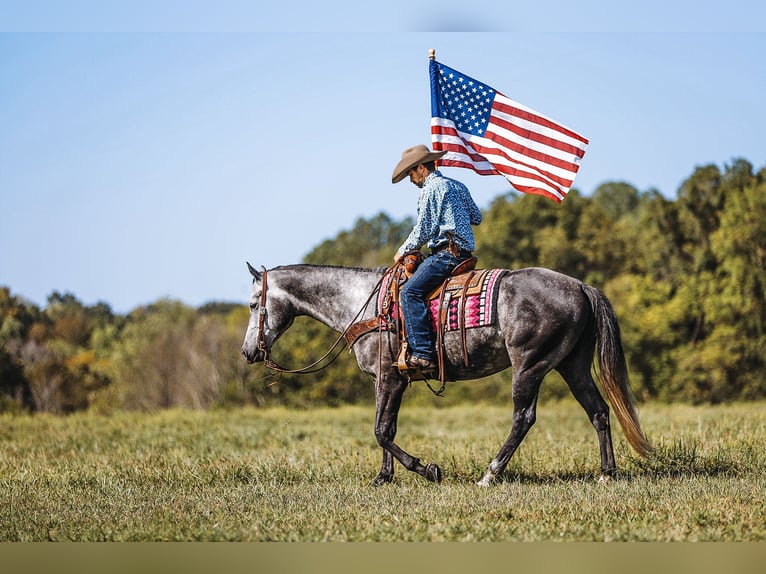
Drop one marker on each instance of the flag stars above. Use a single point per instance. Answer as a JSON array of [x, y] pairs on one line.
[[464, 100]]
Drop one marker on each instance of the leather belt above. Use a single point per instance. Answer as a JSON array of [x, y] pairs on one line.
[[456, 251]]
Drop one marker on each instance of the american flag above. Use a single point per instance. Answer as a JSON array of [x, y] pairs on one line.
[[486, 131]]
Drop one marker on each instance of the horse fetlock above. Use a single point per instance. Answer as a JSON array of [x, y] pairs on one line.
[[382, 479], [607, 474], [488, 479]]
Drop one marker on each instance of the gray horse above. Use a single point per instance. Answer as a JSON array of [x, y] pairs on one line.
[[545, 321]]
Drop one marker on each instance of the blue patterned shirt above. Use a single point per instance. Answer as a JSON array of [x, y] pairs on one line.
[[444, 206]]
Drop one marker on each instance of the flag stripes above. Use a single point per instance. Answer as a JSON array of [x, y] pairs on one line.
[[534, 153]]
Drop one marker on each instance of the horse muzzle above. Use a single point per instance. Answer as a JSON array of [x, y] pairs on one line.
[[256, 356]]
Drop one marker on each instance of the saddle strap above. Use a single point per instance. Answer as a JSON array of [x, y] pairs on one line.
[[461, 317], [440, 333], [442, 325]]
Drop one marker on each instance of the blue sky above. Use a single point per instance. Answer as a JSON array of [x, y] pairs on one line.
[[137, 164]]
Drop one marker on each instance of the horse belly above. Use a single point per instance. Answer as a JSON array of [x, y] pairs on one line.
[[486, 351]]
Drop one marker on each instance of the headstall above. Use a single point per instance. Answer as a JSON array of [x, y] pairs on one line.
[[261, 339]]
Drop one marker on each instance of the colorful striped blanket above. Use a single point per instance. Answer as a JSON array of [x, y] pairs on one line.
[[479, 307]]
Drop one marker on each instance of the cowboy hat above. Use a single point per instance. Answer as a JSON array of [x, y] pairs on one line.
[[413, 157]]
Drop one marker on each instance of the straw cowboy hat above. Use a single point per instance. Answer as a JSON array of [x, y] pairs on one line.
[[413, 157]]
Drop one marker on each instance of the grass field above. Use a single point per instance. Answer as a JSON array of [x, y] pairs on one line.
[[286, 475]]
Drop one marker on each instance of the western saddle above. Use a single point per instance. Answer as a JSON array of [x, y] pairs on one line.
[[390, 317]]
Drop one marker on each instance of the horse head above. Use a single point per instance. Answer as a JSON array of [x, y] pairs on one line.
[[270, 316]]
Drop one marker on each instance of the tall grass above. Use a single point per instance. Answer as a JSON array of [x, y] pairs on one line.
[[287, 475]]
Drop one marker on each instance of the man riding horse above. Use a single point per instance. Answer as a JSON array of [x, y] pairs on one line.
[[446, 212]]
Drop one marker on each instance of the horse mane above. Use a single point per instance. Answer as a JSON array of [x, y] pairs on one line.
[[377, 270]]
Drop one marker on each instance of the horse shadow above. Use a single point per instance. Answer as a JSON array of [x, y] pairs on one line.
[[680, 459]]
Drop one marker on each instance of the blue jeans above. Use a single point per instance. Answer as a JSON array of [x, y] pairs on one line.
[[427, 277]]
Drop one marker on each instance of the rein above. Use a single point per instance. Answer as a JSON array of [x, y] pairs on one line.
[[313, 367]]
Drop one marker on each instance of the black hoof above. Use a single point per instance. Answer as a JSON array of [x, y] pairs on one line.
[[382, 479], [434, 473]]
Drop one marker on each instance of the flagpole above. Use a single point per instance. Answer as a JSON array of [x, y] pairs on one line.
[[431, 54]]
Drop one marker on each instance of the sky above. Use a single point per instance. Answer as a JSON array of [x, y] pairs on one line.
[[149, 158]]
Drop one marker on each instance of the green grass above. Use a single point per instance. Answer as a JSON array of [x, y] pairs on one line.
[[285, 475]]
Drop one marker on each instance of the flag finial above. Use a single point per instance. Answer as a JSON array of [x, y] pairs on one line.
[[431, 54]]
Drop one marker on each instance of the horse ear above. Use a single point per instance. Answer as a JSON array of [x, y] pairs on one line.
[[253, 272]]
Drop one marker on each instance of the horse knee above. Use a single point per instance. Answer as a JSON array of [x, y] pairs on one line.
[[381, 439], [384, 437]]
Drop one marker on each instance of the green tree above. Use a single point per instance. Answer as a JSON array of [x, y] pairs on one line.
[[693, 319], [733, 357], [147, 362], [507, 236], [369, 243], [16, 318], [169, 355]]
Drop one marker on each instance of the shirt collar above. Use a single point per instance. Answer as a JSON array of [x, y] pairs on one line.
[[432, 175]]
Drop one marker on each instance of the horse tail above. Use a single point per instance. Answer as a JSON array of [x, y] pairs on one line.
[[613, 371]]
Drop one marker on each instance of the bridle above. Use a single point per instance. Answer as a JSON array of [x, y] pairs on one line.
[[261, 338]]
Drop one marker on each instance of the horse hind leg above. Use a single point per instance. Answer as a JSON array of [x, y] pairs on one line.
[[575, 370], [526, 386]]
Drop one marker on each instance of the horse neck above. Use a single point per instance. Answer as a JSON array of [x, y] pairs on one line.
[[331, 295]]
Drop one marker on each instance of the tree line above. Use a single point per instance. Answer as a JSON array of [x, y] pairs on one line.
[[687, 278]]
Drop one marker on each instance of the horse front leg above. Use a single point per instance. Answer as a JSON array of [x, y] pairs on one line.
[[525, 392], [386, 473], [388, 401]]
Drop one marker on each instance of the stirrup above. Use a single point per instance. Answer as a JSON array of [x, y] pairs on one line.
[[412, 373], [401, 360]]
